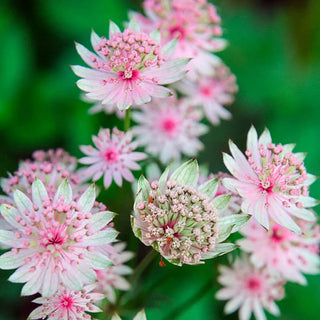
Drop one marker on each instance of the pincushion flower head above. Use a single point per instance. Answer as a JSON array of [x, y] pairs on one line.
[[168, 128], [67, 304], [54, 240], [113, 157], [272, 181], [180, 220], [211, 93], [128, 68], [281, 250], [249, 289]]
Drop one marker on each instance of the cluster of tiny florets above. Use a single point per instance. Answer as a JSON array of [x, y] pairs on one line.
[[128, 52], [180, 222]]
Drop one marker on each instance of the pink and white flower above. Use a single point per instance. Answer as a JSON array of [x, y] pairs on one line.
[[67, 304], [168, 128], [113, 157], [51, 167], [127, 69], [249, 289], [280, 250], [272, 181], [113, 278], [211, 93], [54, 240], [194, 23]]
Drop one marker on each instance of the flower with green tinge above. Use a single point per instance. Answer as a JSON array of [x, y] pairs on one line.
[[129, 68], [249, 289], [66, 304], [180, 219], [272, 181], [141, 315], [55, 240]]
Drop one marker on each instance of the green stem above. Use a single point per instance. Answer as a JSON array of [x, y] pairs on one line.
[[127, 120], [142, 265], [190, 302]]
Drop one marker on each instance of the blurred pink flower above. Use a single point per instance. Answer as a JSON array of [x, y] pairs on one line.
[[211, 93], [272, 181], [113, 158], [249, 289], [66, 304], [113, 278], [54, 240], [280, 250], [127, 69], [194, 23], [168, 128]]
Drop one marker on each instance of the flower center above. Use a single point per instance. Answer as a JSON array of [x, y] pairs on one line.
[[254, 284], [266, 185], [169, 125], [279, 234], [111, 155], [206, 91], [177, 32], [129, 74], [66, 302]]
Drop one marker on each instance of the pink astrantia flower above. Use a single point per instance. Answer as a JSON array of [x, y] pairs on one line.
[[54, 240], [281, 250], [168, 128], [249, 289], [127, 69], [194, 23], [272, 181], [51, 167], [66, 304], [113, 278], [113, 158], [211, 93]]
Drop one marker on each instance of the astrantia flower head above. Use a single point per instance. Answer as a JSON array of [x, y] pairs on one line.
[[169, 127], [66, 304], [51, 167], [113, 278], [249, 289], [194, 23], [127, 69], [272, 181], [180, 220], [211, 93], [54, 240], [280, 250], [113, 157]]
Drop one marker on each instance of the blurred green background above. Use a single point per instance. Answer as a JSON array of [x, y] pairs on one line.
[[274, 51]]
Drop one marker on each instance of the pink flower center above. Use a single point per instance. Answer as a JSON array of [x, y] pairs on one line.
[[254, 284], [111, 155], [280, 234], [169, 125], [66, 302], [129, 74], [177, 32], [266, 185], [206, 91]]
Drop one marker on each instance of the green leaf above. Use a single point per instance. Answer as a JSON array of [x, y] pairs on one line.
[[210, 187], [187, 174], [221, 202]]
